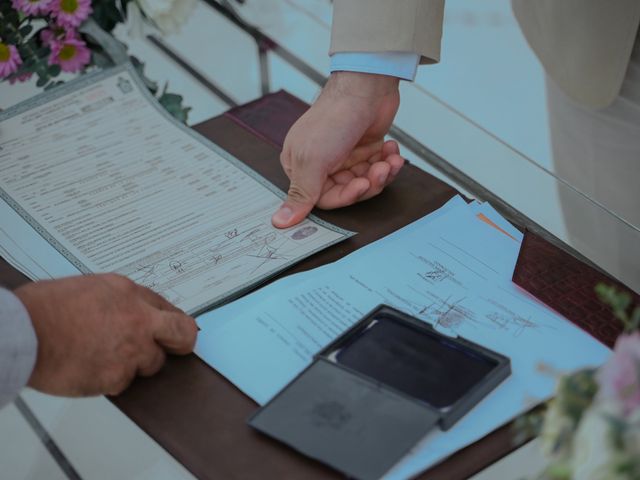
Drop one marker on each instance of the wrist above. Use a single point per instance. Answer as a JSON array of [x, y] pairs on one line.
[[359, 84]]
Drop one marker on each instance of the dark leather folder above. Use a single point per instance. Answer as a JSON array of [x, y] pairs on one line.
[[568, 286], [194, 412]]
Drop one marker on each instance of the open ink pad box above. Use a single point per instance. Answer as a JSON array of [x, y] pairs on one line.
[[377, 390]]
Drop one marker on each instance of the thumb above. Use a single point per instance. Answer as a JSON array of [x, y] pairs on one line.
[[300, 201]]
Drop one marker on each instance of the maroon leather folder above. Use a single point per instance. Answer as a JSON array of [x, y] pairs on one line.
[[194, 412], [568, 285]]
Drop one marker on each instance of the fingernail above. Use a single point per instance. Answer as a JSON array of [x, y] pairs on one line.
[[283, 215], [383, 178]]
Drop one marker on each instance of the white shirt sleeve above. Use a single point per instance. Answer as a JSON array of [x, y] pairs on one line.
[[395, 64], [18, 347]]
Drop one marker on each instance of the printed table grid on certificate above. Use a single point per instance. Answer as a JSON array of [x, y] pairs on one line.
[[116, 185]]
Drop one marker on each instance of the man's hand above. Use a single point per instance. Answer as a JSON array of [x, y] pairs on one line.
[[335, 154], [96, 333]]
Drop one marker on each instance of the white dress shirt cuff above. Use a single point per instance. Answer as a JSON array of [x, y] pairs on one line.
[[18, 347], [395, 64]]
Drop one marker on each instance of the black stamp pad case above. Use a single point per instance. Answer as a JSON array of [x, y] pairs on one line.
[[377, 390]]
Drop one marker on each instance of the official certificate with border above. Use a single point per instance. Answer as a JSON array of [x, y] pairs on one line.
[[103, 173]]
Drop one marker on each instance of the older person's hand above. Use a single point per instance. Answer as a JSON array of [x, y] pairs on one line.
[[335, 154], [97, 332]]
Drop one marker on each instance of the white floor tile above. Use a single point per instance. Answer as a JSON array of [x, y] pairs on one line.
[[101, 442], [22, 455]]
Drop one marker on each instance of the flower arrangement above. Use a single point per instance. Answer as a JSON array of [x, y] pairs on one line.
[[46, 38], [591, 429]]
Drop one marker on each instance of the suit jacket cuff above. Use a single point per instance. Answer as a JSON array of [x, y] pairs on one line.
[[18, 347], [413, 26]]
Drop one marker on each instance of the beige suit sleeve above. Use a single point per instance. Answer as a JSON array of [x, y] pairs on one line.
[[388, 26]]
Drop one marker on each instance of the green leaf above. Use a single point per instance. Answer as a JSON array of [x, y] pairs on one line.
[[30, 63], [576, 393], [41, 68], [43, 52], [139, 66], [559, 471], [635, 319], [173, 104], [107, 14], [622, 300], [171, 98], [42, 81], [54, 70], [620, 303], [26, 30], [617, 429], [53, 85], [529, 425]]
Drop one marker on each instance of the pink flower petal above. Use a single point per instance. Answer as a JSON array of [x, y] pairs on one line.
[[9, 60]]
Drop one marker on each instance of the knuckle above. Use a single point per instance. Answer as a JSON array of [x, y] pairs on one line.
[[183, 331], [297, 194], [121, 386], [128, 285], [175, 329], [125, 378], [285, 161], [116, 380], [129, 350], [138, 323], [190, 329]]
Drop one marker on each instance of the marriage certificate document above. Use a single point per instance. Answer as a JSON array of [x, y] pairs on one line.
[[106, 176]]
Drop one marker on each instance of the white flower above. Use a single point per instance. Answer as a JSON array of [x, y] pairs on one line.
[[168, 15], [592, 448]]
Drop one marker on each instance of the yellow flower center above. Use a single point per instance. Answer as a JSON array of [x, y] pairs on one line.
[[67, 53], [69, 6], [5, 54]]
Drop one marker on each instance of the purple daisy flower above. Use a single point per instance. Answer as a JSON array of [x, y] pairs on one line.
[[32, 7], [70, 53], [56, 33], [9, 60], [71, 13]]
